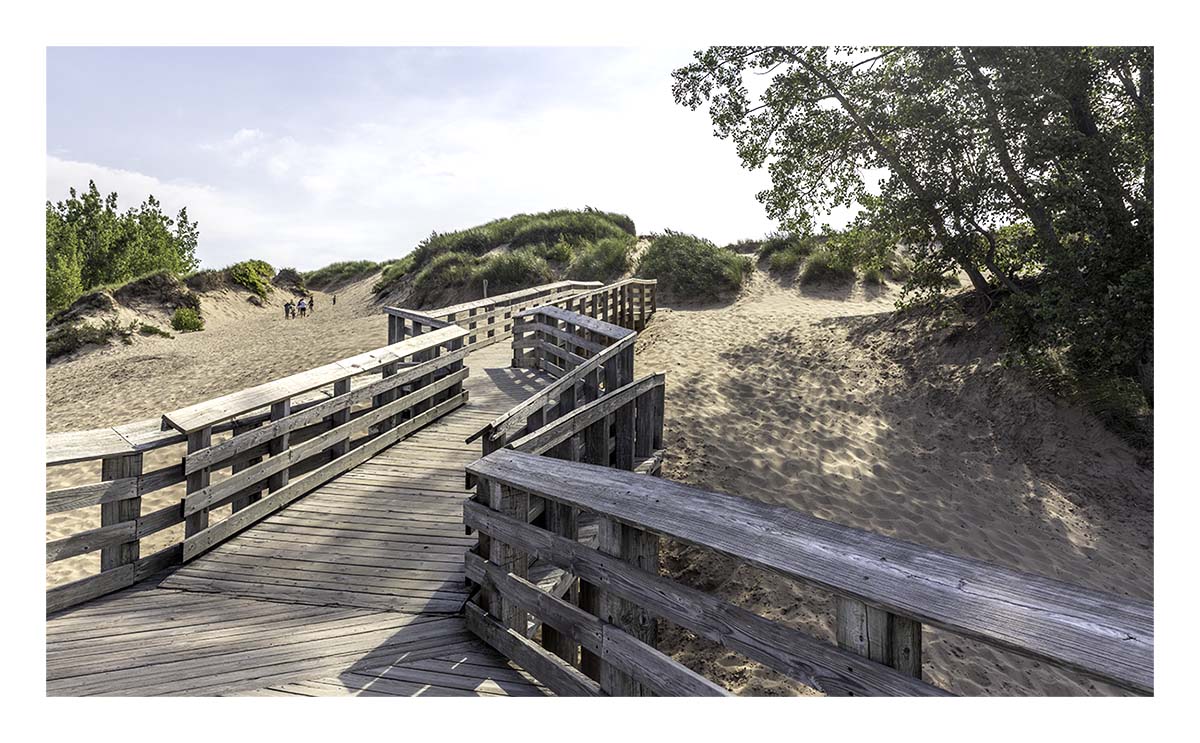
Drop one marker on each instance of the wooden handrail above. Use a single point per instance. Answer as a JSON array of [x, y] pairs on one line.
[[205, 414], [1102, 635]]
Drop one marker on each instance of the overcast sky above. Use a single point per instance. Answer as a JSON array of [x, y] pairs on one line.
[[306, 156]]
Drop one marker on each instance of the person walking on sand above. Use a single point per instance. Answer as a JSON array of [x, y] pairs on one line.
[[289, 310], [312, 304], [335, 300], [303, 307]]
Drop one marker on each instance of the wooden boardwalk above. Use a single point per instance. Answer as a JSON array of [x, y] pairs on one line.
[[357, 588]]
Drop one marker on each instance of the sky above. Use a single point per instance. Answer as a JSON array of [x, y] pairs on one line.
[[305, 156]]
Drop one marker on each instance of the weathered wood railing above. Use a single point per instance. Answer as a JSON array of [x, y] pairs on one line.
[[287, 437], [486, 321], [629, 303], [888, 589]]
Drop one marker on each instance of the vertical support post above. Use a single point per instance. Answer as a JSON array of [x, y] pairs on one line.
[[563, 521], [340, 418], [129, 509], [595, 451], [640, 549], [279, 445], [245, 500], [514, 504], [643, 440], [879, 635], [197, 481], [457, 388], [383, 398]]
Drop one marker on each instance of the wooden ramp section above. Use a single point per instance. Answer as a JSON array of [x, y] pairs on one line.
[[355, 589]]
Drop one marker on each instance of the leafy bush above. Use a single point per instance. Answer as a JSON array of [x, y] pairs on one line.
[[784, 252], [89, 243], [186, 319], [342, 272], [255, 275], [692, 267], [826, 265], [511, 271], [291, 279], [602, 260]]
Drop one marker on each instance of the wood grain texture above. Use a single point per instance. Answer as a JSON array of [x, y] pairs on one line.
[[1106, 636]]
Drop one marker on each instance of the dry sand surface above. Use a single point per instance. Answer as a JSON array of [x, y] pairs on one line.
[[824, 401], [817, 399], [241, 346]]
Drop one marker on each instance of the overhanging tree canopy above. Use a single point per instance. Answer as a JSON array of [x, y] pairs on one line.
[[1028, 168]]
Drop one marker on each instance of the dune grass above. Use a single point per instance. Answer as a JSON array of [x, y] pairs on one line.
[[517, 252], [690, 267], [342, 272]]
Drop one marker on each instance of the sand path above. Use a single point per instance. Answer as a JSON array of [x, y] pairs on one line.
[[810, 399]]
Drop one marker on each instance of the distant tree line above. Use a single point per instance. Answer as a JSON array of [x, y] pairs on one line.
[[1029, 169], [89, 243]]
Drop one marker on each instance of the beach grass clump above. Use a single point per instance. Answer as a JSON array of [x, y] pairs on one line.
[[873, 275], [337, 274], [826, 266], [784, 252], [466, 257], [603, 260], [187, 320], [394, 272], [511, 271], [691, 267], [150, 330], [560, 252], [745, 246]]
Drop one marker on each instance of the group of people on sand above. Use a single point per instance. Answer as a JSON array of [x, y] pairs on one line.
[[304, 306]]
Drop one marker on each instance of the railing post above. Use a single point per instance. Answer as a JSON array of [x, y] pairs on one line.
[[197, 481], [638, 548], [240, 503], [340, 418], [515, 504], [129, 509], [383, 398], [279, 445], [883, 637]]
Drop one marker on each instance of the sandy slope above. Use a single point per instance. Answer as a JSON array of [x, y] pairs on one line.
[[813, 400], [242, 346]]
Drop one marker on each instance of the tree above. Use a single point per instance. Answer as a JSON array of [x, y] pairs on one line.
[[89, 244], [1029, 169]]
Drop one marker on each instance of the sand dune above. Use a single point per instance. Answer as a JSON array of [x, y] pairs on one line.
[[815, 400]]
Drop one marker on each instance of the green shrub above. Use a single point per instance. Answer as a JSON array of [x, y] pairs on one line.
[[745, 246], [603, 260], [253, 274], [186, 319], [826, 265], [692, 267], [873, 275], [342, 272], [785, 262], [512, 271], [559, 252], [147, 329]]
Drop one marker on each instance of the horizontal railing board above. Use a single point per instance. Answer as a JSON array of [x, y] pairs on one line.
[[1100, 634], [559, 676], [818, 664], [417, 317], [90, 541], [93, 494], [294, 455], [515, 296], [647, 665], [616, 332], [220, 452], [515, 418], [203, 541], [566, 426], [210, 412]]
